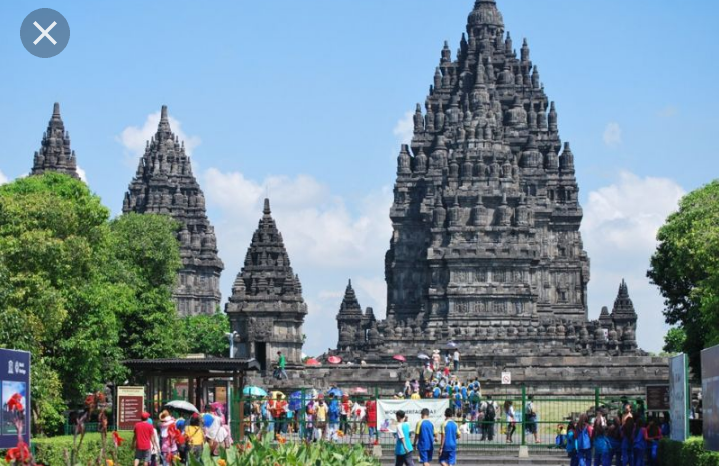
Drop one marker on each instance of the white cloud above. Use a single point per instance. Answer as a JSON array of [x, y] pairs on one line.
[[329, 239], [3, 178], [619, 231], [134, 138], [613, 135], [81, 173], [404, 129], [668, 111]]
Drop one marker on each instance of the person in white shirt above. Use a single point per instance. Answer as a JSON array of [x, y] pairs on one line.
[[455, 360]]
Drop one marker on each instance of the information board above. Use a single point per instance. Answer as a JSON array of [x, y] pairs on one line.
[[678, 397], [710, 398], [130, 405], [15, 386], [658, 398]]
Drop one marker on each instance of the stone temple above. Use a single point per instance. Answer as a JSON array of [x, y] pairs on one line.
[[55, 154], [266, 308], [164, 184], [486, 250]]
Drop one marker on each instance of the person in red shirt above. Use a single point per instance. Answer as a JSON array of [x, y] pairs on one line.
[[372, 419], [143, 435]]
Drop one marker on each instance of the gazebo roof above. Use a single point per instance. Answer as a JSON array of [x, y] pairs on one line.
[[207, 366]]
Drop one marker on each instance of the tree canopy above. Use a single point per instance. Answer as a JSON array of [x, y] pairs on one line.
[[80, 292], [685, 267]]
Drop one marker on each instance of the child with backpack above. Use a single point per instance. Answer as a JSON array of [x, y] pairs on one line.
[[654, 435], [560, 441], [628, 442], [490, 414], [584, 442], [640, 442], [614, 433], [602, 447], [572, 444]]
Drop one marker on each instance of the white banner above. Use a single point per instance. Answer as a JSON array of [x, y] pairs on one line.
[[678, 397], [387, 410]]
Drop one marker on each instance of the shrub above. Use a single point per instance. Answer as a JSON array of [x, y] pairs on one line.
[[51, 450], [691, 452]]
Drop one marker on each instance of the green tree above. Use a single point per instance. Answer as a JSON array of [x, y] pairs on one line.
[[207, 334], [52, 235], [674, 340], [685, 267], [146, 261], [82, 293]]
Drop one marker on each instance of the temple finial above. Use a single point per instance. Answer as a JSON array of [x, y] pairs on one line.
[[56, 109], [163, 113], [267, 210]]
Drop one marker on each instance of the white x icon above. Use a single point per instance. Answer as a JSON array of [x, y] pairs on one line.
[[45, 33]]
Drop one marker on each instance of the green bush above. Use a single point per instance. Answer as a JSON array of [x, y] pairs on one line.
[[267, 452], [51, 450], [691, 452]]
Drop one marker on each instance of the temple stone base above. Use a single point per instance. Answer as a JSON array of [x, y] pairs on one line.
[[550, 375]]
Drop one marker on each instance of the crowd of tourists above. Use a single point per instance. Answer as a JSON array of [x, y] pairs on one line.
[[171, 440], [628, 439], [323, 417]]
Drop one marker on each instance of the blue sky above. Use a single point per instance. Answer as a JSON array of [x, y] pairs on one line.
[[308, 101]]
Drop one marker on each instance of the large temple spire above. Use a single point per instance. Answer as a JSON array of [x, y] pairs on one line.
[[55, 153], [164, 184]]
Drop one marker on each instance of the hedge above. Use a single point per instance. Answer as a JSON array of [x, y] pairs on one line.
[[51, 450], [691, 452]]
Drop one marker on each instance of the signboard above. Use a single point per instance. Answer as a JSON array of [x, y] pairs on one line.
[[15, 392], [658, 398], [387, 410], [130, 405], [678, 397], [506, 378], [710, 398]]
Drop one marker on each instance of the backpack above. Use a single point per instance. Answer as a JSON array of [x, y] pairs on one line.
[[491, 413], [583, 441], [530, 410], [334, 409]]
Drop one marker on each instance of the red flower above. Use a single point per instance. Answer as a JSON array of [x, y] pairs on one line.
[[117, 439], [20, 453], [15, 403]]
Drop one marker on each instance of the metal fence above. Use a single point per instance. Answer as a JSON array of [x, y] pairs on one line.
[[541, 428]]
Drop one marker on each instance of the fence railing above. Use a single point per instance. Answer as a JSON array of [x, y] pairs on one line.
[[540, 427]]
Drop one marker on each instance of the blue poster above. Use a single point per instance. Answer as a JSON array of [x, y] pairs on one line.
[[15, 396]]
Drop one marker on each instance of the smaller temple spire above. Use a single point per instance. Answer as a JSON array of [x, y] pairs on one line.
[[55, 153]]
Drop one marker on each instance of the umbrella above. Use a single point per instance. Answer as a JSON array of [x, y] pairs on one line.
[[312, 362], [451, 344], [359, 390], [334, 391], [422, 356], [276, 394], [182, 405], [399, 357], [295, 403], [334, 359], [253, 391]]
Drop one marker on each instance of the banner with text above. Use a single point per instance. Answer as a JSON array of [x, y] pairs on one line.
[[387, 410], [15, 385], [710, 398], [130, 405], [678, 400]]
